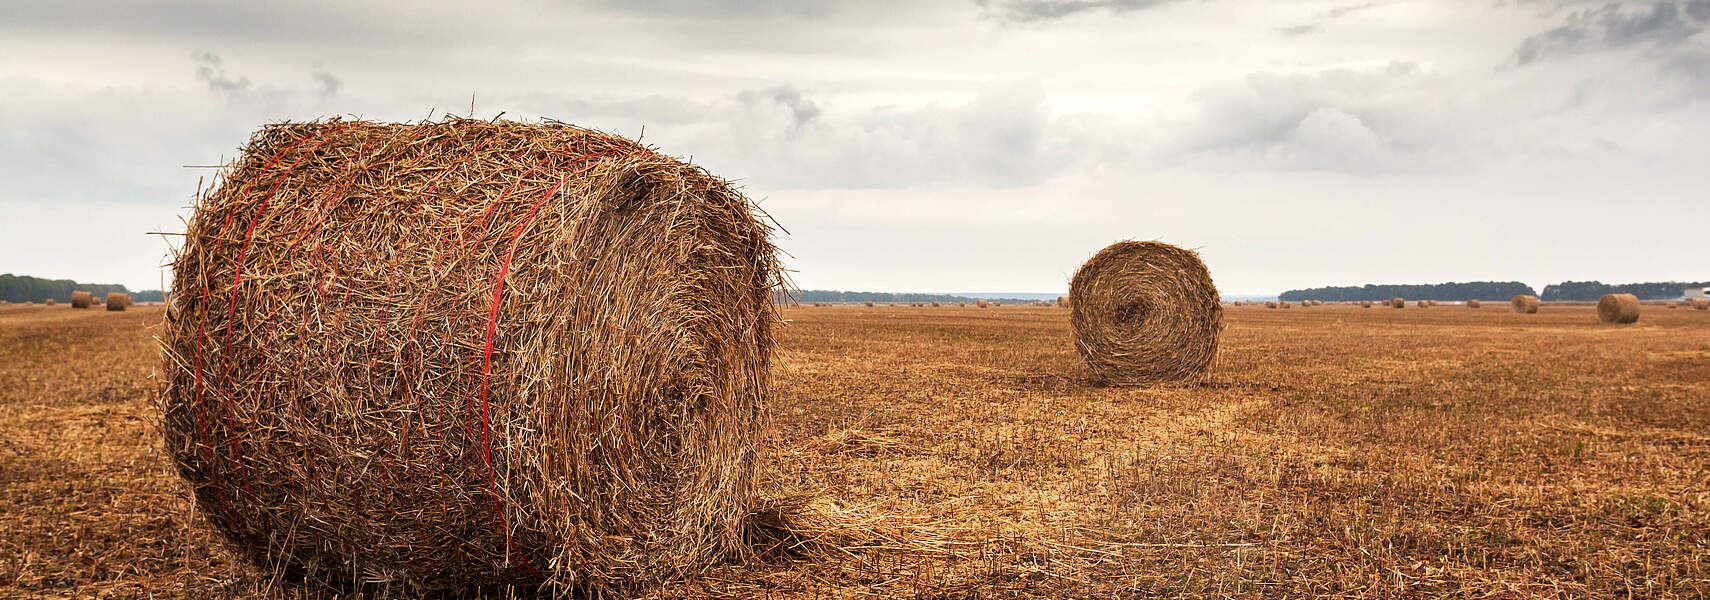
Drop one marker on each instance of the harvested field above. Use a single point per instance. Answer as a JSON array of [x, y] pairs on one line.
[[962, 453]]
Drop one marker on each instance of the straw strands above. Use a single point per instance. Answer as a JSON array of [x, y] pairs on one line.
[[462, 354], [1145, 312]]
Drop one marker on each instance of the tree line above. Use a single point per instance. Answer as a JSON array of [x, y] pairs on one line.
[[1471, 290], [1568, 291], [1591, 291], [24, 288]]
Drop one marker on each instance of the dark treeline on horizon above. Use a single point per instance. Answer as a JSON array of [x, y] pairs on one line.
[[24, 288], [811, 296], [1568, 291]]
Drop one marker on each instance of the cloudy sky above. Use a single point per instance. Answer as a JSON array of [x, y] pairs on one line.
[[962, 145]]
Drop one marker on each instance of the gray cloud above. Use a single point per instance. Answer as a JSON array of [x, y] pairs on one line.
[[1024, 11], [1330, 15], [803, 111], [330, 84], [1614, 26], [211, 71]]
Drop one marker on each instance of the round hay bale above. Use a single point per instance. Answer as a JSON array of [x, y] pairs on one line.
[[1269, 304], [1063, 301], [118, 301], [465, 354], [1284, 305], [1145, 312], [1365, 304], [49, 301], [869, 303], [1398, 302], [1524, 304], [1472, 304], [80, 299], [1701, 304], [935, 305], [981, 303], [1672, 306], [1618, 308]]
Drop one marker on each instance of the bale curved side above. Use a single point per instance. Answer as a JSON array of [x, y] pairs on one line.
[[81, 299], [1618, 308], [1398, 302], [118, 301], [1525, 304], [1145, 312], [462, 354]]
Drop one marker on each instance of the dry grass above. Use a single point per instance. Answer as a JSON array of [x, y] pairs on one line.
[[963, 454]]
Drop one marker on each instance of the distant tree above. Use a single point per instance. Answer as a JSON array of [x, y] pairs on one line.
[[1591, 291]]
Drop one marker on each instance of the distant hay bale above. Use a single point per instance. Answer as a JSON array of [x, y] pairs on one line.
[[118, 301], [869, 303], [962, 304], [1145, 312], [1472, 304], [996, 303], [1618, 308], [935, 305], [49, 301], [470, 354], [981, 303], [1701, 304], [1421, 304], [82, 299], [1524, 304], [1269, 304], [1284, 305], [1398, 302], [1672, 306], [1063, 301], [1365, 304]]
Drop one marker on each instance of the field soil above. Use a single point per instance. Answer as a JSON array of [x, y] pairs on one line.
[[947, 452]]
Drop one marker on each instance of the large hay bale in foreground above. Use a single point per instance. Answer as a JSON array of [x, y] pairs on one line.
[[118, 301], [1618, 308], [82, 299], [1145, 312], [465, 354], [1524, 304]]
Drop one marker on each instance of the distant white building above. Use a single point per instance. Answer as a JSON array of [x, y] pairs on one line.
[[1695, 293]]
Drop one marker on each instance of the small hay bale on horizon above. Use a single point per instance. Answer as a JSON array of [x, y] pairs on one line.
[[49, 302], [1524, 304], [1145, 312], [982, 303], [1618, 308], [1398, 302], [1270, 304], [1473, 304]]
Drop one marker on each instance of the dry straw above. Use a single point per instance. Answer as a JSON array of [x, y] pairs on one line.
[[1269, 304], [1365, 304], [869, 303], [1145, 312], [1701, 304], [1524, 304], [456, 355], [1472, 304], [49, 301], [1618, 308], [981, 303], [1398, 302], [118, 301], [81, 299]]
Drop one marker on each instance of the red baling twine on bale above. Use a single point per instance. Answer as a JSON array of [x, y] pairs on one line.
[[487, 358], [201, 315]]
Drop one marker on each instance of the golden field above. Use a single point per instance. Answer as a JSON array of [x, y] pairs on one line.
[[948, 452]]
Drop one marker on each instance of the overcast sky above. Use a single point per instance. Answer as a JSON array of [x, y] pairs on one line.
[[969, 145]]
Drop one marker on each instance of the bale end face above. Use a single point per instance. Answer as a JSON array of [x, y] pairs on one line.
[[1145, 312]]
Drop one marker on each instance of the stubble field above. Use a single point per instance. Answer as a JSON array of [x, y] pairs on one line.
[[950, 452]]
